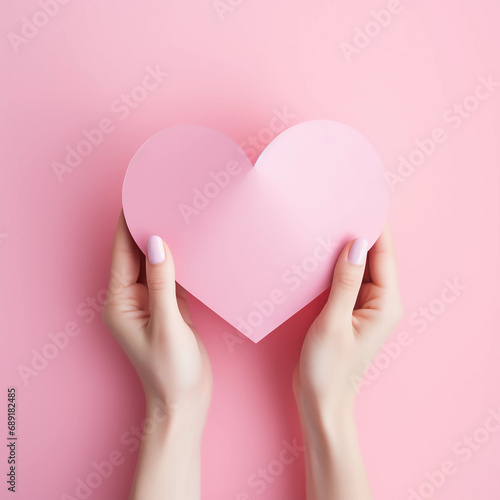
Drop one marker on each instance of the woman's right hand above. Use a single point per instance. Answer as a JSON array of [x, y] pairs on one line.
[[362, 310]]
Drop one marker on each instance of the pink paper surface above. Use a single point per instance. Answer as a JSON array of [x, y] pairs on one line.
[[280, 226], [418, 83]]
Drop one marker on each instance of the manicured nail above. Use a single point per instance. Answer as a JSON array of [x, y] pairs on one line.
[[156, 252], [357, 253]]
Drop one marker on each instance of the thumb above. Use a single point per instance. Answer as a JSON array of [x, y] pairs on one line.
[[347, 279], [160, 274]]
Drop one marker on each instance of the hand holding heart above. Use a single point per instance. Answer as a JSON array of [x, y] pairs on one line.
[[363, 308], [150, 320]]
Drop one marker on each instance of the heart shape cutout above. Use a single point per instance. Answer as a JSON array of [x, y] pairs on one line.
[[256, 243]]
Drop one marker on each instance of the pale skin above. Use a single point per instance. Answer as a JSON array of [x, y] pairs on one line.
[[146, 311]]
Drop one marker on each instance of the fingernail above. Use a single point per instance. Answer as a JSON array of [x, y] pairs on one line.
[[357, 253], [156, 252]]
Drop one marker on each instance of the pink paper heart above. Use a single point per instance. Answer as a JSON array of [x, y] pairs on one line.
[[256, 244]]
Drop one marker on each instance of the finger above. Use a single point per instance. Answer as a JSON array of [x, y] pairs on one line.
[[347, 279], [382, 261], [160, 273], [125, 259]]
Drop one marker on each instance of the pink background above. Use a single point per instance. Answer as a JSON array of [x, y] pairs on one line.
[[230, 72]]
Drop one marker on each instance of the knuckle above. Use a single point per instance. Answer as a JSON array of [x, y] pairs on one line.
[[347, 281], [157, 281], [110, 310]]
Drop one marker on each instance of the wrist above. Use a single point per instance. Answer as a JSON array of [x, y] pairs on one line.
[[326, 421], [170, 453], [164, 422], [325, 407], [334, 465]]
